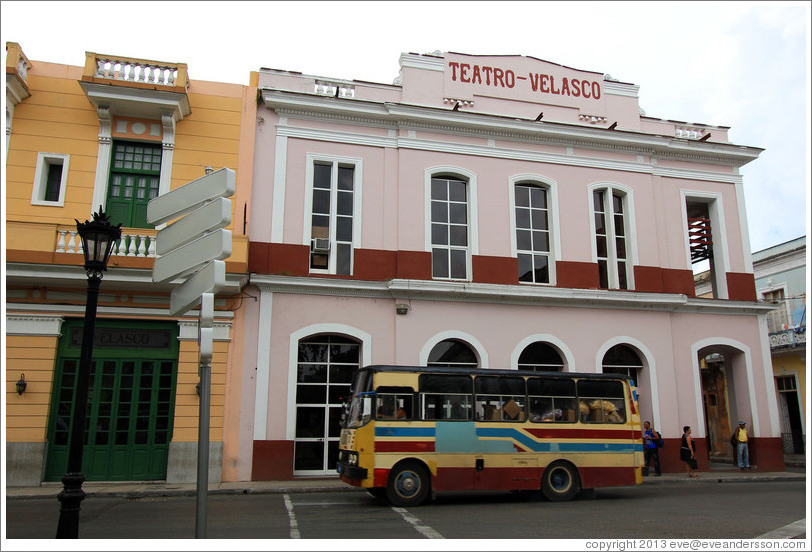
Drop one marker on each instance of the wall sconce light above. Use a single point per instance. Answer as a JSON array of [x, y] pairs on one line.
[[401, 308], [21, 384]]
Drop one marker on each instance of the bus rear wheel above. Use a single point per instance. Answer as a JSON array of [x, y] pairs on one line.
[[408, 484], [560, 482]]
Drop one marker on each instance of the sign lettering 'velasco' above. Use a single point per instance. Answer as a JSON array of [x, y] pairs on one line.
[[522, 78]]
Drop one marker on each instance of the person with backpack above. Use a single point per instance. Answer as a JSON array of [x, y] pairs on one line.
[[652, 441]]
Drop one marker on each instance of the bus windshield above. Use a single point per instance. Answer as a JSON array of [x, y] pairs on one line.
[[359, 411]]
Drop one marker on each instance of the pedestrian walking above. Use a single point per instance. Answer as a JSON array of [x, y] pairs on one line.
[[687, 453]]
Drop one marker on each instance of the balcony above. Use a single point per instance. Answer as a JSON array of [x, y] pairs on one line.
[[790, 338], [17, 66], [134, 87]]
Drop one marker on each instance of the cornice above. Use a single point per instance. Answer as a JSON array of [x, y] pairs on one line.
[[394, 115], [446, 146], [505, 294], [31, 274]]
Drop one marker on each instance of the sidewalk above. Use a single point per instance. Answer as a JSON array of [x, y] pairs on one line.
[[158, 488]]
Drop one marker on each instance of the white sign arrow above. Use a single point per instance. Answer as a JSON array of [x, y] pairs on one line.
[[191, 195], [189, 257], [209, 279], [211, 216]]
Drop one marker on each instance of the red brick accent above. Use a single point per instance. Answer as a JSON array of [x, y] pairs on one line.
[[767, 453], [663, 280], [571, 274], [741, 286], [414, 265], [375, 264], [278, 258], [495, 270], [272, 461]]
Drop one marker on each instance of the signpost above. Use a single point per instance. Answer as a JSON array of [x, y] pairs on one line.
[[195, 247]]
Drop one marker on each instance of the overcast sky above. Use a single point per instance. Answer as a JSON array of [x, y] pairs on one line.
[[738, 64]]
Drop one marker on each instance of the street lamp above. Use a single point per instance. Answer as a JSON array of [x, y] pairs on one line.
[[98, 237]]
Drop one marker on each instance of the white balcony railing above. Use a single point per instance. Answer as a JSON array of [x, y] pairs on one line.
[[788, 338], [130, 244], [135, 71]]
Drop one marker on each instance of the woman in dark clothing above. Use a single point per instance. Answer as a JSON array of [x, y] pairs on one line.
[[686, 452]]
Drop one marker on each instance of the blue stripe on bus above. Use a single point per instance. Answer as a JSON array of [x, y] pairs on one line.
[[404, 431], [533, 445]]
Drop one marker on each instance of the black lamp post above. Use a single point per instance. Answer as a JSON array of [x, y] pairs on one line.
[[98, 237]]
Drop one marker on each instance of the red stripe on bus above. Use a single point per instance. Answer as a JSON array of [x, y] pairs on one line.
[[404, 446], [567, 433]]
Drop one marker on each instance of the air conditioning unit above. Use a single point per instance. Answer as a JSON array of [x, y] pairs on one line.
[[320, 245]]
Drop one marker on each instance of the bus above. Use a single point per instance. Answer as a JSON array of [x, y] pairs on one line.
[[410, 432]]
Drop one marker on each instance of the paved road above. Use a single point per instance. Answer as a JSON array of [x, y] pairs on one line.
[[729, 510]]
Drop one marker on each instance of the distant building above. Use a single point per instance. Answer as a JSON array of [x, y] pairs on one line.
[[780, 273]]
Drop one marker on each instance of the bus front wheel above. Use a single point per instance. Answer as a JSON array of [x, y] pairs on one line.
[[560, 482], [408, 484]]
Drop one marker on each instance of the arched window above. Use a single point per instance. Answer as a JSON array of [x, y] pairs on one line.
[[452, 353], [449, 227], [533, 233], [324, 369], [541, 357], [622, 359]]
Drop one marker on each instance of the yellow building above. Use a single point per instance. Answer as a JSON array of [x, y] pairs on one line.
[[112, 134]]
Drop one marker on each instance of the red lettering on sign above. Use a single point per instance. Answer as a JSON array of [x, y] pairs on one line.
[[453, 65], [463, 70], [510, 78], [596, 90], [487, 71], [497, 77], [544, 79], [552, 86], [584, 89], [476, 78], [534, 82], [565, 87], [576, 87]]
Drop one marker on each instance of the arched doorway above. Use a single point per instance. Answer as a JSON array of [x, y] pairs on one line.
[[715, 407]]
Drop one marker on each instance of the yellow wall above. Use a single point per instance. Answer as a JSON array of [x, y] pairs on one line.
[[27, 414], [791, 363], [187, 404]]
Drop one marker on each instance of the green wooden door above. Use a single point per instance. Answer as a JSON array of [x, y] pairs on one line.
[[134, 180], [131, 402]]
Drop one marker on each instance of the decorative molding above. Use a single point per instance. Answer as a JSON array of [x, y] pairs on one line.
[[441, 290], [34, 324], [105, 125]]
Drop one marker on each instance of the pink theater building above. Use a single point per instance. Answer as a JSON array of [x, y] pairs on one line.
[[493, 212]]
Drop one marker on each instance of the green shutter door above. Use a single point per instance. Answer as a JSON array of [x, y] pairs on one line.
[[130, 407], [134, 180]]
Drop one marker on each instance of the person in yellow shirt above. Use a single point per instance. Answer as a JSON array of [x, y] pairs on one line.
[[742, 451]]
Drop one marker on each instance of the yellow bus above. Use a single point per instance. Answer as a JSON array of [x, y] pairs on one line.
[[409, 432]]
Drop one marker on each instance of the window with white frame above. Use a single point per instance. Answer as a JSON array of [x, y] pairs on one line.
[[449, 228], [612, 245], [50, 179], [333, 216], [532, 233]]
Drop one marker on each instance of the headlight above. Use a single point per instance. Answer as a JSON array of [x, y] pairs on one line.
[[352, 459]]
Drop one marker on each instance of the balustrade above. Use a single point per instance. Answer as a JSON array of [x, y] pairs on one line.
[[130, 245], [787, 338], [136, 70]]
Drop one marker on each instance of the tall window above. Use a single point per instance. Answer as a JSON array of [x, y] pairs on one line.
[[324, 372], [134, 179], [541, 357], [449, 228], [532, 233], [611, 242], [331, 229], [452, 353]]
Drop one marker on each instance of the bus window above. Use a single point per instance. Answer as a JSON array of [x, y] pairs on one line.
[[601, 401], [499, 398], [446, 397], [394, 403], [551, 400]]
